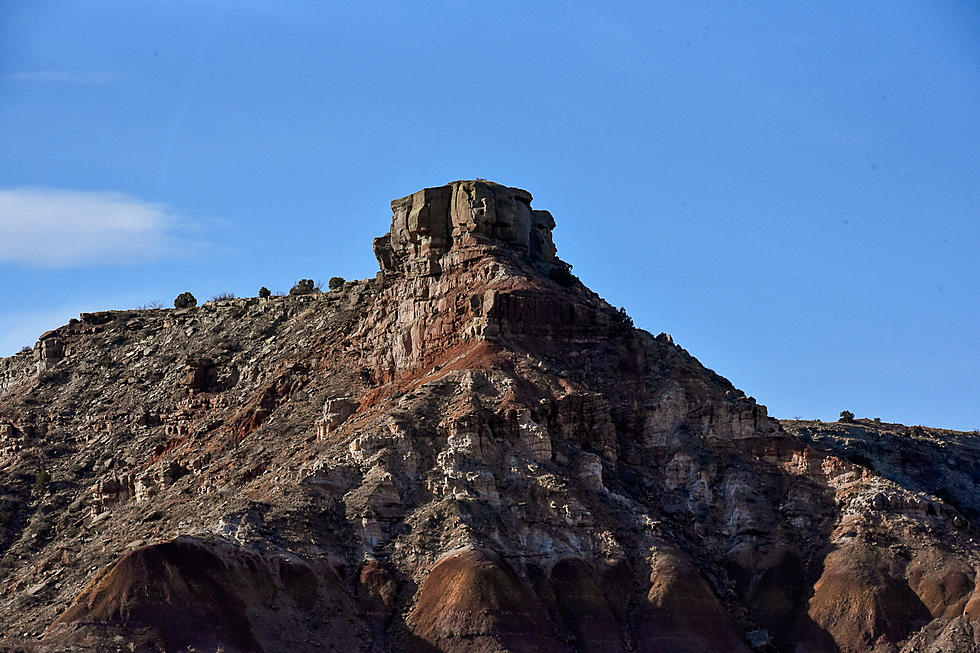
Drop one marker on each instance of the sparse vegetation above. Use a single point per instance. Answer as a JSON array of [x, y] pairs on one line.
[[336, 283], [562, 274], [42, 480], [846, 416], [155, 304], [265, 293], [623, 316], [185, 300], [224, 295], [26, 350], [304, 287]]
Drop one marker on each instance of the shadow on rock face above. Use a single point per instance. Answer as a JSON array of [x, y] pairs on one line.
[[772, 585], [181, 591], [682, 614], [191, 594], [584, 609]]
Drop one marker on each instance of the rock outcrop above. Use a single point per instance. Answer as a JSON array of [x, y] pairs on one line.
[[443, 228], [470, 452]]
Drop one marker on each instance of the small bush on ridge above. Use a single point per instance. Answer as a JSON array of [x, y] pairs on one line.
[[185, 300], [562, 274], [304, 287], [623, 316]]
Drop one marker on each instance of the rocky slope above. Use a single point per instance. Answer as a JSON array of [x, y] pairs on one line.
[[471, 452]]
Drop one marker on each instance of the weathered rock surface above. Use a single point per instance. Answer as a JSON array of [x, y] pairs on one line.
[[471, 452]]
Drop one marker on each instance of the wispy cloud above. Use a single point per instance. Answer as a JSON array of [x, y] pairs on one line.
[[81, 78], [47, 227]]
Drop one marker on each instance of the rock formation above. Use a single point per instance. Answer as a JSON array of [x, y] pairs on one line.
[[470, 452]]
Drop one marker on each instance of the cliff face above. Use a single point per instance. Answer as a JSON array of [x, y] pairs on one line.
[[471, 452]]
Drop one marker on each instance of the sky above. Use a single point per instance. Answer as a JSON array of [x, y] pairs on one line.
[[791, 190]]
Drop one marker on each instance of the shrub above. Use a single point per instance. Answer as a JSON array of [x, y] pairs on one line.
[[223, 295], [336, 283], [265, 293], [42, 480], [185, 300], [846, 416], [150, 306], [562, 274], [623, 316], [304, 287], [26, 350]]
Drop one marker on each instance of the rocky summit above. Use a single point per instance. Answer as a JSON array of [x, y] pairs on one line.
[[471, 452]]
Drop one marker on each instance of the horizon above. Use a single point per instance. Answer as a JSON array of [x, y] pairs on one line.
[[790, 192]]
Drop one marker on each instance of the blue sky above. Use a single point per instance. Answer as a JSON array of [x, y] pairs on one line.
[[792, 190]]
